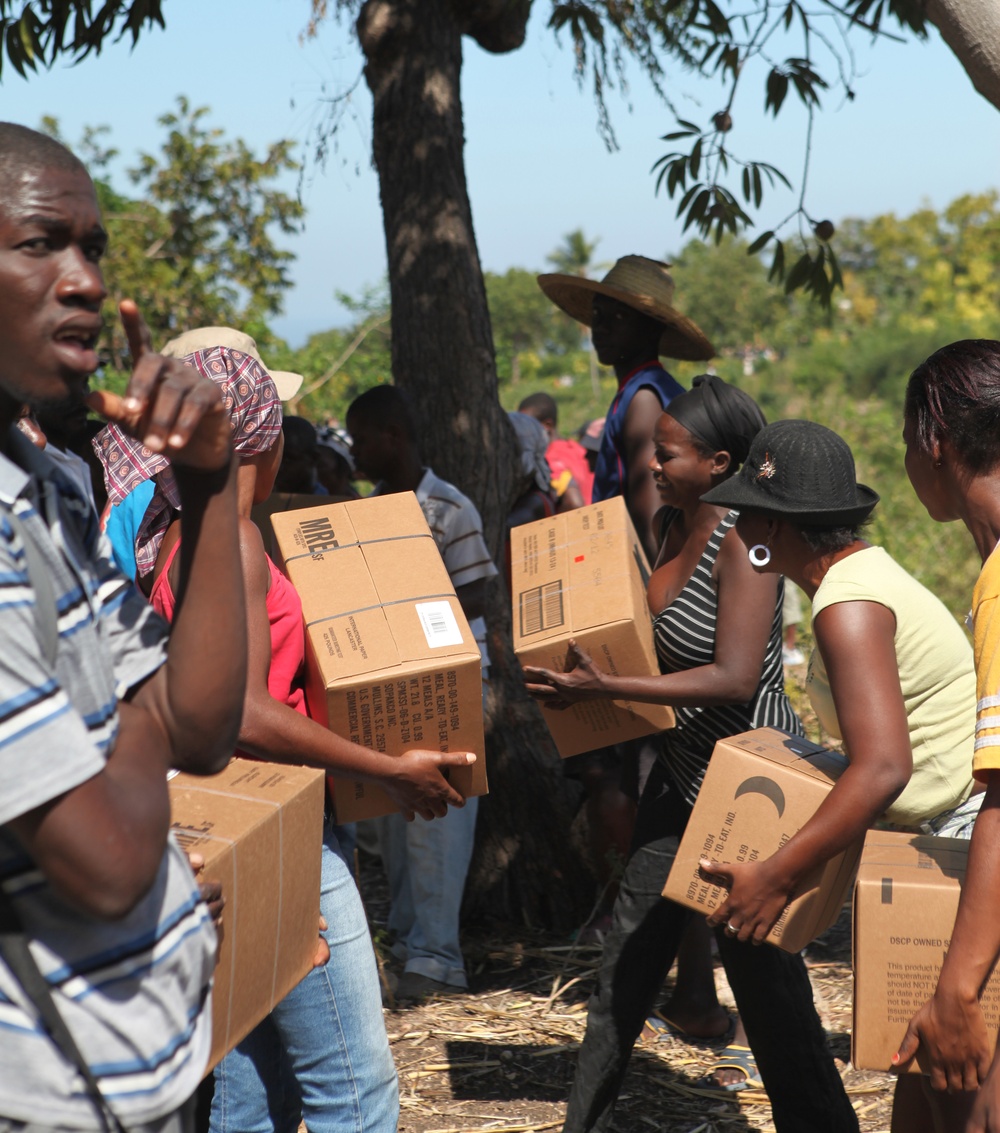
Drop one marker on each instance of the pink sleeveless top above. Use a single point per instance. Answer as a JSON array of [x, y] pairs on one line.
[[288, 639]]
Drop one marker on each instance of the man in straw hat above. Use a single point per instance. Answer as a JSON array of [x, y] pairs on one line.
[[633, 322]]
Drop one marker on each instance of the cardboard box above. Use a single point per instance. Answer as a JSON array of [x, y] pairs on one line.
[[259, 827], [760, 789], [278, 502], [905, 903], [583, 575], [392, 663]]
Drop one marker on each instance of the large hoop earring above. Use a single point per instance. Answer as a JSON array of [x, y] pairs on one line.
[[759, 554]]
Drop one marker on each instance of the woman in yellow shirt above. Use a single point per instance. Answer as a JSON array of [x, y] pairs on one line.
[[892, 676], [952, 435]]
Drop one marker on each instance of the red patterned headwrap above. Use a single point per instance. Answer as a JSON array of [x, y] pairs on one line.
[[252, 402]]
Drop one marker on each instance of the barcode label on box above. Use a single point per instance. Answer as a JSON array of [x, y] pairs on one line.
[[440, 626], [542, 608]]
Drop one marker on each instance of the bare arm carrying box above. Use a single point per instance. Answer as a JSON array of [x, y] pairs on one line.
[[760, 789], [905, 903], [583, 575], [259, 827], [391, 661]]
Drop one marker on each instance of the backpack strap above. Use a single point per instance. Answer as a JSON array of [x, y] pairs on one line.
[[16, 954]]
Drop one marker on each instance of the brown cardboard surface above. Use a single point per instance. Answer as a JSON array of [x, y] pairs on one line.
[[392, 663], [905, 903], [760, 789], [583, 575], [259, 827], [278, 502]]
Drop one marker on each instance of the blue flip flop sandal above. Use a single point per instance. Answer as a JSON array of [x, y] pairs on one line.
[[734, 1057]]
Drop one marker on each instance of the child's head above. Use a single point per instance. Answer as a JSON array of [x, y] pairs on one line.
[[544, 409], [383, 427]]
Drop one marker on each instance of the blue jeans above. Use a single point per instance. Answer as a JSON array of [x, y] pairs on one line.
[[426, 863], [322, 1055]]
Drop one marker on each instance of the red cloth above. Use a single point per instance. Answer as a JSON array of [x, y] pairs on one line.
[[570, 456], [288, 638]]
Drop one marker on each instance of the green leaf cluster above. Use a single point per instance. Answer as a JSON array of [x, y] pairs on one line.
[[195, 243], [34, 33], [341, 363]]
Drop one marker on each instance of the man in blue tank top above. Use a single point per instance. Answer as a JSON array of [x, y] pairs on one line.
[[632, 323]]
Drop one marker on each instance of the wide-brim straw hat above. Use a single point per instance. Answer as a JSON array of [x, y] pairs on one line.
[[287, 383], [640, 283], [801, 471]]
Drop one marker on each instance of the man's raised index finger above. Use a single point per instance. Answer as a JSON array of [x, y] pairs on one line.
[[140, 341]]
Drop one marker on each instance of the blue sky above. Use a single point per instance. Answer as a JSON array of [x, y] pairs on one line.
[[917, 132]]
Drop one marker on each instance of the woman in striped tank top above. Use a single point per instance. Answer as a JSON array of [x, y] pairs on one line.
[[718, 637]]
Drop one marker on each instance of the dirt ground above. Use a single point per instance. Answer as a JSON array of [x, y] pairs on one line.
[[501, 1058]]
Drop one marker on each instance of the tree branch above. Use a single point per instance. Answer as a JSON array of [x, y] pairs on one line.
[[362, 334], [971, 28]]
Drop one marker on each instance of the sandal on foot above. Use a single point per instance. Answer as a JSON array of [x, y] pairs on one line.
[[734, 1057], [658, 1026]]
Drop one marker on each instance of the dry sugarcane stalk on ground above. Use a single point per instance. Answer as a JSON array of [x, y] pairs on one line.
[[500, 1058]]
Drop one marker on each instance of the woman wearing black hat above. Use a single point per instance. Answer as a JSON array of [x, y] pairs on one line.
[[891, 676], [718, 636]]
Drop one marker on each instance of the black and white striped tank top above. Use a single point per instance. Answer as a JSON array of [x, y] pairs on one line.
[[685, 638]]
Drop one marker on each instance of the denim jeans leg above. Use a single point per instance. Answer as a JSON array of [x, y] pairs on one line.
[[331, 1030], [390, 831], [775, 1001], [255, 1091], [426, 863], [638, 951]]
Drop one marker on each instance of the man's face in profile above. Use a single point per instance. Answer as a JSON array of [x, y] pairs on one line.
[[51, 286]]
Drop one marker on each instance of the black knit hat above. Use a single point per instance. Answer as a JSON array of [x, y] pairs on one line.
[[801, 471]]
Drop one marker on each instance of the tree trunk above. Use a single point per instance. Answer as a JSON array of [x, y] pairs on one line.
[[442, 353], [971, 28]]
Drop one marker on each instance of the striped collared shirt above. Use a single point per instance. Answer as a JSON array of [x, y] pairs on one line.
[[133, 992]]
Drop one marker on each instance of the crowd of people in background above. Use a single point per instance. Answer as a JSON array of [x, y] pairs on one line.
[[189, 646]]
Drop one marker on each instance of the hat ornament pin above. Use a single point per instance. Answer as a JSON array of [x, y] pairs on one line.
[[767, 468]]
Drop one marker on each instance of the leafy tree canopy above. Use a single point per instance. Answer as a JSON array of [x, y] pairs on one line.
[[787, 46], [196, 245]]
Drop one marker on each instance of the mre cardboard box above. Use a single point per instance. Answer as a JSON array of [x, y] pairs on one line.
[[760, 789], [278, 502], [392, 663], [905, 903], [259, 827], [583, 575]]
